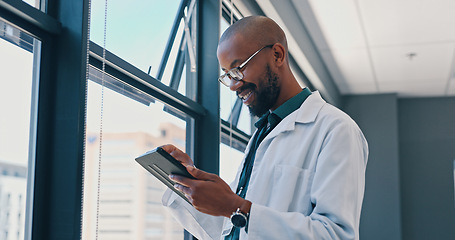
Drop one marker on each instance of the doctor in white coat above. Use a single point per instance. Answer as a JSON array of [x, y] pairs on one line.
[[303, 174]]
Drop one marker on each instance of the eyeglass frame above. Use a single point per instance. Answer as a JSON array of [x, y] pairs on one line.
[[239, 68]]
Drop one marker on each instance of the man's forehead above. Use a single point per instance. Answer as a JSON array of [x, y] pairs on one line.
[[231, 43], [232, 50]]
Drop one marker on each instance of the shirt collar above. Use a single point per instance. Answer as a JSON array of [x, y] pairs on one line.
[[284, 110], [262, 121]]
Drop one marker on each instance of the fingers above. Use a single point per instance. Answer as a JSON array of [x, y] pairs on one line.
[[209, 195], [178, 154], [199, 174], [169, 148], [172, 150], [185, 190], [184, 181], [183, 185]]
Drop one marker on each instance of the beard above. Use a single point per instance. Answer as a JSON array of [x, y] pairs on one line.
[[266, 93]]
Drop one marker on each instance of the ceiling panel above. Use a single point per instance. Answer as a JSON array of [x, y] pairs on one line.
[[338, 21], [389, 22], [414, 89], [381, 46], [431, 61], [350, 67], [354, 88]]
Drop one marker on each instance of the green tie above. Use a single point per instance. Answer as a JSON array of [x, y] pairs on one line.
[[247, 168]]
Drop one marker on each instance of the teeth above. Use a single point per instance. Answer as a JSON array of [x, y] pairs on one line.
[[247, 95]]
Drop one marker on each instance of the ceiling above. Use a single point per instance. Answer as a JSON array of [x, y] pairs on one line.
[[375, 46]]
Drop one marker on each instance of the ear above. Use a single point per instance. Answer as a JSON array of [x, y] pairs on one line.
[[279, 54]]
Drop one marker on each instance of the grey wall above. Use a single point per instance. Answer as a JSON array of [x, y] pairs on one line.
[[427, 151], [377, 116], [409, 180]]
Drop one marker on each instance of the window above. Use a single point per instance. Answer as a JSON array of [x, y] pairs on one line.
[[128, 195], [231, 107], [236, 123], [17, 62], [35, 3], [230, 159], [151, 36], [140, 110], [137, 32], [158, 74]]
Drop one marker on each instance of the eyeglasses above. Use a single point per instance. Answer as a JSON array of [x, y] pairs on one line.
[[236, 74]]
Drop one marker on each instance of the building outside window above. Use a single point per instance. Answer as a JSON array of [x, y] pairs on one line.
[[121, 199], [17, 63]]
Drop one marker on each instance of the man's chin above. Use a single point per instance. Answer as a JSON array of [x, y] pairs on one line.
[[255, 111]]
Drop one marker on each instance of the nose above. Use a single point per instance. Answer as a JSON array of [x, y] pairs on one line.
[[235, 85]]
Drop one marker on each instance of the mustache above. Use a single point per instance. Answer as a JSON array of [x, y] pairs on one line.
[[251, 86]]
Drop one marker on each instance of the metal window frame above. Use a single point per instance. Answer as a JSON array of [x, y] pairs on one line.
[[230, 134], [131, 75], [60, 103], [207, 129], [171, 39], [41, 27], [60, 131], [29, 19]]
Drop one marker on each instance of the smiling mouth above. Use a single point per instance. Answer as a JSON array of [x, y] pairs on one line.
[[246, 95]]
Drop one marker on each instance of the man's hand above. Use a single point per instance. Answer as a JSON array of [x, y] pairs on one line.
[[209, 193], [178, 154]]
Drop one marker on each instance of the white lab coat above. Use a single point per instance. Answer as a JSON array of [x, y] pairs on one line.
[[307, 181]]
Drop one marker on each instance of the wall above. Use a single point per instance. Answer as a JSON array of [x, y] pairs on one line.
[[376, 115], [427, 152], [409, 180]]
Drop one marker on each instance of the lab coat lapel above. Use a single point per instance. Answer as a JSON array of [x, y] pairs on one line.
[[307, 113]]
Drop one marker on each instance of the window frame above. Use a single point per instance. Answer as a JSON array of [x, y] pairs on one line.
[[231, 135], [57, 136], [41, 27], [59, 133]]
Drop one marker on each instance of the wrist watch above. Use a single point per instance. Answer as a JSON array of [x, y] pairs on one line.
[[239, 219]]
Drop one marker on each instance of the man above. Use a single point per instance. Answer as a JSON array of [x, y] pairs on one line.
[[303, 174]]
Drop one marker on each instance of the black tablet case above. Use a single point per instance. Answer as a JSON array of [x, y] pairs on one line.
[[161, 164]]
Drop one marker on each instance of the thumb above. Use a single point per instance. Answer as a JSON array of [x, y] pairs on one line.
[[197, 173]]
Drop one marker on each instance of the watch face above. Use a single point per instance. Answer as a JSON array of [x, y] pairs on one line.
[[238, 220]]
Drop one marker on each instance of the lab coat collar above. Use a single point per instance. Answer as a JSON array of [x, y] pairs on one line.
[[307, 113]]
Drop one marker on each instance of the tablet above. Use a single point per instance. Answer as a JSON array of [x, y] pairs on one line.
[[161, 164]]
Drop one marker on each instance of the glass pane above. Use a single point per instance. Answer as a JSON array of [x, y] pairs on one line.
[[34, 3], [230, 159], [245, 120], [228, 98], [227, 101], [16, 94], [138, 32], [129, 196]]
